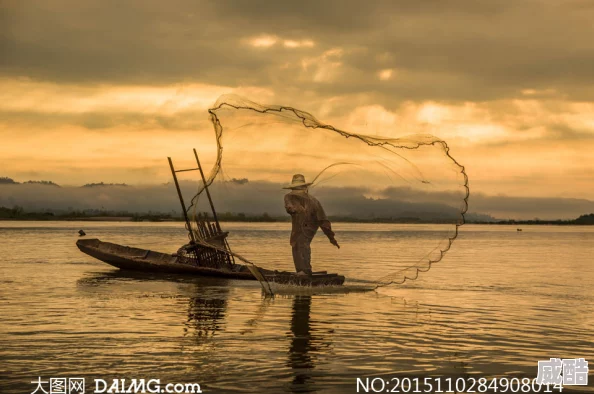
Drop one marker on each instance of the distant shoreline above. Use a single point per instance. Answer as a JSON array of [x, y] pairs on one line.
[[93, 215], [272, 220], [48, 218], [534, 223]]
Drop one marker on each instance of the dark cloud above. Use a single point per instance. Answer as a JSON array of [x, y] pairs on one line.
[[564, 133], [247, 197], [259, 197], [446, 50], [134, 121]]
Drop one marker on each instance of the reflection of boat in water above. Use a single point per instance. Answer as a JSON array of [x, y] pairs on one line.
[[207, 312], [135, 259], [207, 254], [205, 318]]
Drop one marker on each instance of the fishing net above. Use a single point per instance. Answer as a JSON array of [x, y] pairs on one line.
[[395, 203]]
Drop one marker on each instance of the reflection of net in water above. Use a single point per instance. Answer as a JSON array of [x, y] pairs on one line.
[[409, 179]]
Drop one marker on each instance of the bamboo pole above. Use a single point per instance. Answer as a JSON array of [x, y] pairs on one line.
[[181, 200], [214, 213]]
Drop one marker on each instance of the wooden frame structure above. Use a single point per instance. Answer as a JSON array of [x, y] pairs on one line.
[[206, 232]]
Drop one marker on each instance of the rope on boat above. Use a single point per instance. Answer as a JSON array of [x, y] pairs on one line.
[[254, 269]]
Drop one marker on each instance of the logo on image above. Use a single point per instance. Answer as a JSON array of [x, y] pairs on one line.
[[563, 372], [60, 386]]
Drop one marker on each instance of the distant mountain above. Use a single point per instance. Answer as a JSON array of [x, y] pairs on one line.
[[256, 197], [48, 183], [585, 219], [103, 184], [241, 181], [7, 181], [479, 217]]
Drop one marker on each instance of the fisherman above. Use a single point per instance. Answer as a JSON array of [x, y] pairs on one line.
[[307, 215]]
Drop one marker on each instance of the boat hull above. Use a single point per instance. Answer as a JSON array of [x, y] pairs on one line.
[[136, 259]]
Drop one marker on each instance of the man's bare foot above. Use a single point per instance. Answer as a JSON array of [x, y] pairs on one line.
[[303, 273]]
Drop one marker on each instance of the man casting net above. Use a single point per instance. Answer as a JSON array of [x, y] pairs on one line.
[[406, 194]]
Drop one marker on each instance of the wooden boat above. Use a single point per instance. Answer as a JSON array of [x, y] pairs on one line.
[[136, 259], [207, 254]]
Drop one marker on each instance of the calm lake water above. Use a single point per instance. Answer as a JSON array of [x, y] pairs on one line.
[[499, 302]]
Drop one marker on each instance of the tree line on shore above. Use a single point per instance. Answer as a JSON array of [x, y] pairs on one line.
[[4, 180], [582, 220], [18, 213]]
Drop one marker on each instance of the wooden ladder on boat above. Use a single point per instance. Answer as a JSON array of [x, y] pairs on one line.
[[207, 231]]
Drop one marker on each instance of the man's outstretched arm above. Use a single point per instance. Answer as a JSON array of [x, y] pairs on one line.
[[326, 227], [324, 223]]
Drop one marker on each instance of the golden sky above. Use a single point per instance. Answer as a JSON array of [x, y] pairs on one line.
[[104, 91]]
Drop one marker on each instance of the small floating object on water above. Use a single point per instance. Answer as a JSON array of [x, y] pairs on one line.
[[519, 229], [81, 233]]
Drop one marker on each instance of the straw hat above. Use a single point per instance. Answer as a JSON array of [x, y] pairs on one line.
[[298, 181]]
